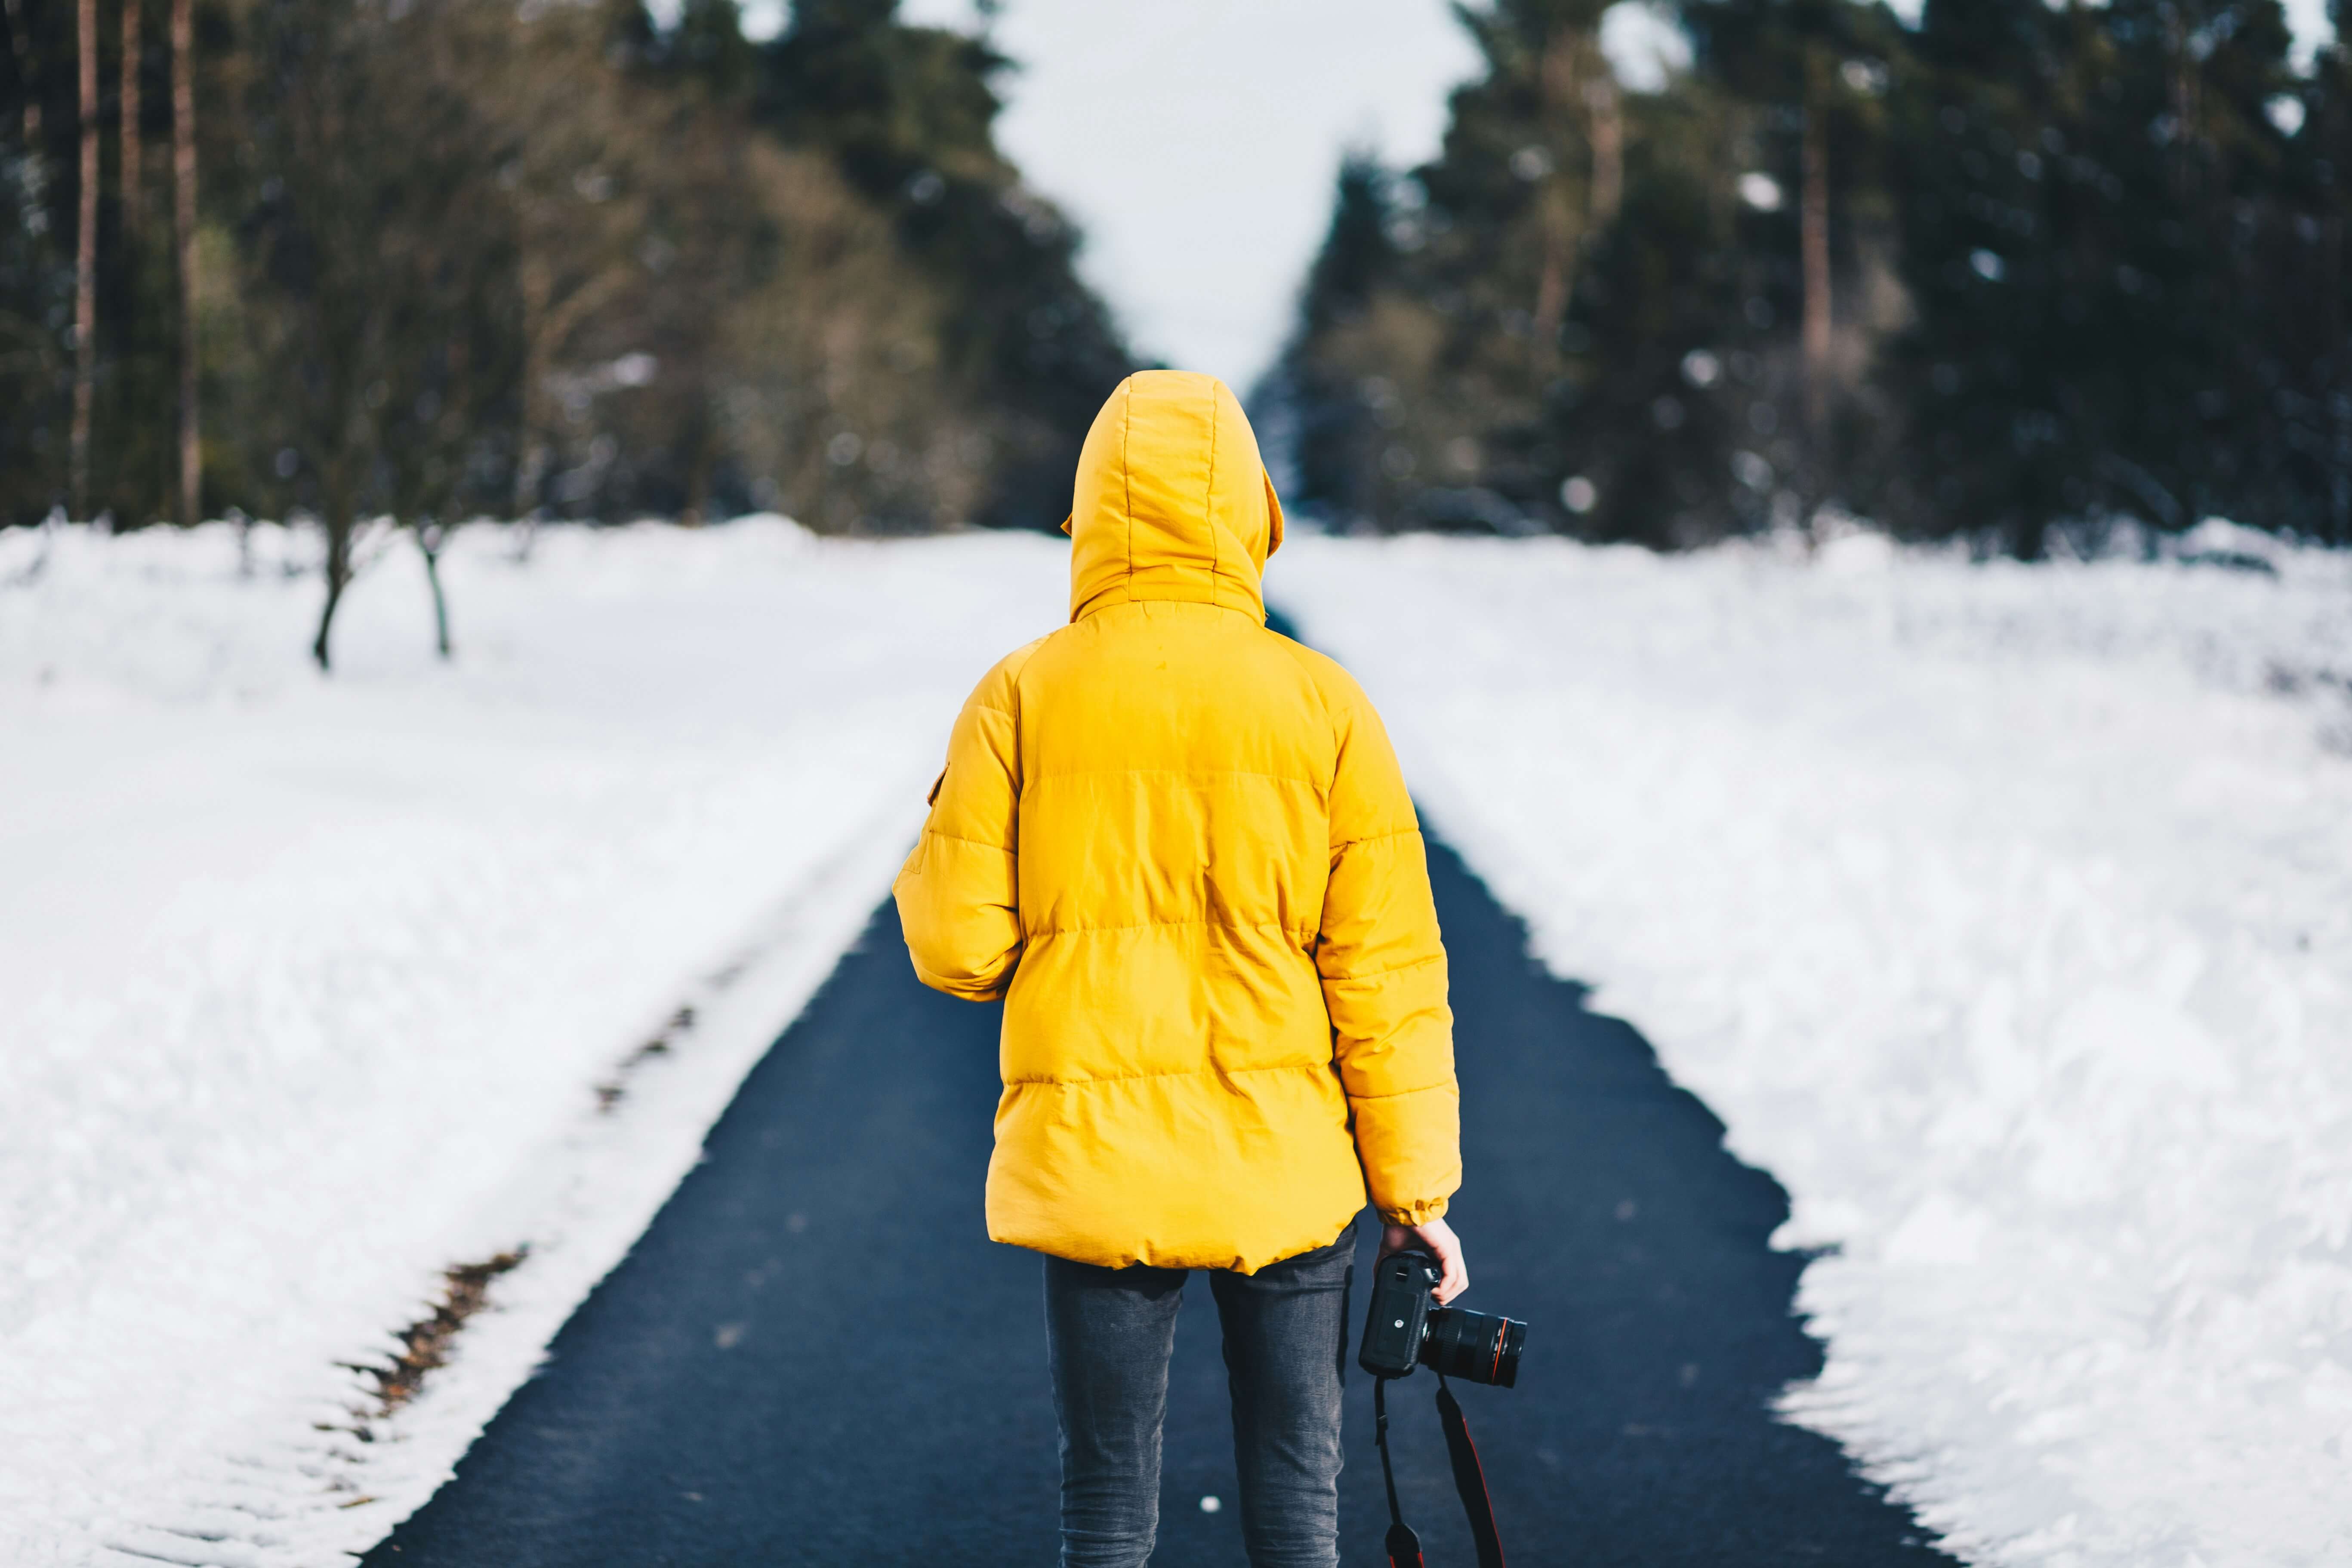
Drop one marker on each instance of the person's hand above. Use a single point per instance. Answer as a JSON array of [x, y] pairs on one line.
[[1438, 1238]]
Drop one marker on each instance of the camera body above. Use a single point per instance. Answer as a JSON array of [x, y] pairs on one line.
[[1405, 1327]]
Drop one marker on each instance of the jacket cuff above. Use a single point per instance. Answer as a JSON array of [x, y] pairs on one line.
[[1421, 1213], [962, 990]]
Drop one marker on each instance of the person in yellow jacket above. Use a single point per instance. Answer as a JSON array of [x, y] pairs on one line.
[[1177, 845]]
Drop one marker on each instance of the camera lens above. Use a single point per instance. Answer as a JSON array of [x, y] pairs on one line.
[[1473, 1346]]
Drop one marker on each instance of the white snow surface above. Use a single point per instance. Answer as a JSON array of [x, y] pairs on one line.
[[2004, 913], [310, 983]]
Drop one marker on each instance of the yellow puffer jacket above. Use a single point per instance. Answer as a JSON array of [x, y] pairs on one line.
[[1185, 841]]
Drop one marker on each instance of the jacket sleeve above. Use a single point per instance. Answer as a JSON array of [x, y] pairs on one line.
[[958, 894], [1384, 972]]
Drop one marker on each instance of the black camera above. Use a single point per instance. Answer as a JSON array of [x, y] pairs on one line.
[[1406, 1328]]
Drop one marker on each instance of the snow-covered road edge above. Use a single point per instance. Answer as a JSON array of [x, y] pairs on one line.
[[315, 1489]]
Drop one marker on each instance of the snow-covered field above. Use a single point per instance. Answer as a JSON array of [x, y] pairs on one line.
[[2005, 915], [310, 985]]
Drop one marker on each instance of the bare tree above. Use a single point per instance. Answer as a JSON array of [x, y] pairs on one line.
[[184, 246], [384, 255], [328, 156], [85, 262]]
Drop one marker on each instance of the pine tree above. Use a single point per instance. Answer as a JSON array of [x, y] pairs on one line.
[[2103, 242], [1545, 326], [1810, 80], [1335, 419]]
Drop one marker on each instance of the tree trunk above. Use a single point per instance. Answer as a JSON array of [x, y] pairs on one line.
[[1607, 148], [338, 523], [338, 520], [429, 542], [132, 171], [86, 263], [2331, 273], [1552, 282], [2181, 90], [338, 562], [183, 244], [703, 457], [531, 464], [1813, 220], [1555, 279]]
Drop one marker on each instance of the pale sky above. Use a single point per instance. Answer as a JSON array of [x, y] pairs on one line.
[[1196, 140]]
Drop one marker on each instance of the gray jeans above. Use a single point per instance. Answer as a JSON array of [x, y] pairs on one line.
[[1108, 1334]]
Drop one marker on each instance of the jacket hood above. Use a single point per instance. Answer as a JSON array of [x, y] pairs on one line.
[[1173, 500]]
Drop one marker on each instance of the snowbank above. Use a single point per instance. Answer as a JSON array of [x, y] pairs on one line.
[[2005, 915], [312, 986]]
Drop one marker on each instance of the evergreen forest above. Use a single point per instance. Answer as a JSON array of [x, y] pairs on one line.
[[2024, 273], [2016, 272]]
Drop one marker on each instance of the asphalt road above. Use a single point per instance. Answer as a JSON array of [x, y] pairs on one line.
[[815, 1356]]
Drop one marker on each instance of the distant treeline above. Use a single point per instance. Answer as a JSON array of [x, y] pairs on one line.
[[449, 257], [2018, 273]]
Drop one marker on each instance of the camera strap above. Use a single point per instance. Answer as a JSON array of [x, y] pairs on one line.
[[1403, 1545], [1469, 1479]]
